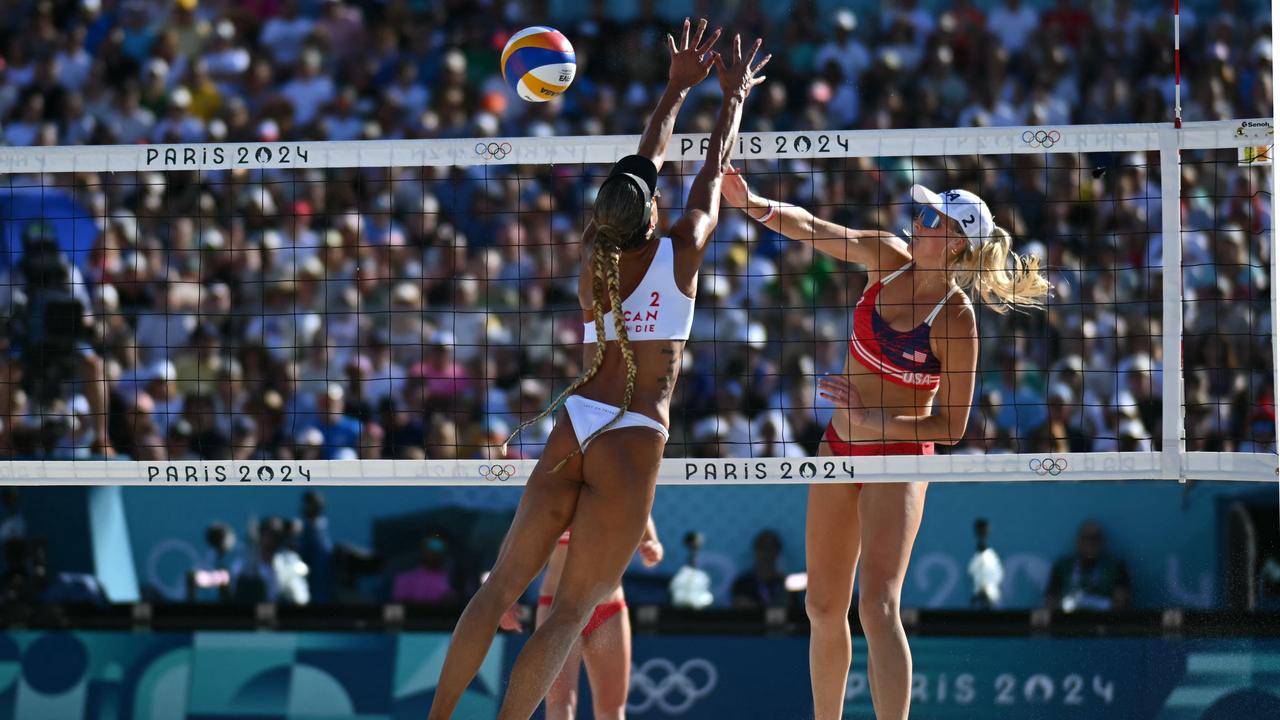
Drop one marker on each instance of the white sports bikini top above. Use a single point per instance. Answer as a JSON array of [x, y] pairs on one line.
[[656, 309]]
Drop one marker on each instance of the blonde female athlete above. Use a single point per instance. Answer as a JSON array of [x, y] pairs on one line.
[[908, 383], [600, 464], [605, 645]]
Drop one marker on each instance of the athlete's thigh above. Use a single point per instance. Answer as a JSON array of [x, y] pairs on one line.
[[889, 517], [831, 543], [619, 470], [549, 501]]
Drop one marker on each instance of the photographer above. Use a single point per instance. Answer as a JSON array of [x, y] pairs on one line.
[[48, 317]]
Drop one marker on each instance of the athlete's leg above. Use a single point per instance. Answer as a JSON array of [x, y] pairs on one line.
[[620, 468], [890, 516], [831, 556], [548, 503], [607, 654]]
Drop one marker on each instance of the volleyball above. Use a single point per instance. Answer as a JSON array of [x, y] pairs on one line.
[[538, 63]]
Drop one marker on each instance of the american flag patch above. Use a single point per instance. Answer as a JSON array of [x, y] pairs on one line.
[[916, 356]]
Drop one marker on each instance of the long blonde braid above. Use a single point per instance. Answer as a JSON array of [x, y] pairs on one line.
[[624, 344], [602, 281]]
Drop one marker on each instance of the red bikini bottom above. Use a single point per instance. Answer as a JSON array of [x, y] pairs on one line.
[[847, 449], [603, 613]]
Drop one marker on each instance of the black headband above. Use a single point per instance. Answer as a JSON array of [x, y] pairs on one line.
[[639, 170]]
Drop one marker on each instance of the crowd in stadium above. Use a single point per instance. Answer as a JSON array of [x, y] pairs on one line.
[[422, 312]]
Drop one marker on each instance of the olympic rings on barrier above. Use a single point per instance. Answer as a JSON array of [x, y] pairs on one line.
[[1049, 466], [501, 473], [1041, 138], [674, 690], [493, 150]]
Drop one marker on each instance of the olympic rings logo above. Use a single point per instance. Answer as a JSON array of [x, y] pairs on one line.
[[1041, 138], [493, 150], [501, 473], [1049, 466], [673, 689]]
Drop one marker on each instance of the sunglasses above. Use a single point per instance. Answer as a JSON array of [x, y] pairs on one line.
[[929, 217]]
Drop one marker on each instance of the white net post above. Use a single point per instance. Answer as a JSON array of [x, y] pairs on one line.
[[1174, 409]]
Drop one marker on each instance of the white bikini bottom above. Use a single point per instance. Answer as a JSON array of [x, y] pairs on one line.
[[588, 416]]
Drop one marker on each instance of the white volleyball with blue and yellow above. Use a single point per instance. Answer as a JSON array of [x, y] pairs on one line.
[[538, 63]]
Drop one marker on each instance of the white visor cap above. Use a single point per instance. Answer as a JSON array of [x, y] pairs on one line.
[[964, 207]]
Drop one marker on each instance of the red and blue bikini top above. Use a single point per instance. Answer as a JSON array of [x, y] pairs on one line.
[[902, 358]]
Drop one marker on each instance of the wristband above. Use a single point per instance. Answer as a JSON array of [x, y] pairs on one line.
[[764, 219]]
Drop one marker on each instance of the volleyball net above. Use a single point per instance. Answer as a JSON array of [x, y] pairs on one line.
[[387, 312]]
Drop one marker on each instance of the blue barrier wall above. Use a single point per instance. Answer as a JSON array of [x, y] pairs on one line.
[[1166, 532], [351, 676]]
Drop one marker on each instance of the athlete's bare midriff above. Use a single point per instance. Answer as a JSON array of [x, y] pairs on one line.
[[876, 392], [657, 367]]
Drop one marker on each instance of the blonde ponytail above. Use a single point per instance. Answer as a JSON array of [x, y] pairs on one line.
[[999, 277]]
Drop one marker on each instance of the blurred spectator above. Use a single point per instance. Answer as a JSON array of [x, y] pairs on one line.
[[431, 582], [212, 573], [1091, 578], [12, 523], [1059, 434], [691, 586], [283, 35], [1067, 21], [273, 572], [350, 565], [985, 569], [310, 445], [315, 547], [340, 431], [27, 580], [845, 48], [764, 585], [310, 90], [288, 66]]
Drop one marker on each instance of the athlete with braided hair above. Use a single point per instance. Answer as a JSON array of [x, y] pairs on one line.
[[600, 464]]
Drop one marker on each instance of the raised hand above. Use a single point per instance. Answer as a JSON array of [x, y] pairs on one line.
[[513, 619], [734, 188], [740, 75], [651, 552], [691, 62]]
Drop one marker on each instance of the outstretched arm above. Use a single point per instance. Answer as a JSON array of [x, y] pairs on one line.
[[690, 65], [702, 209], [796, 223]]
